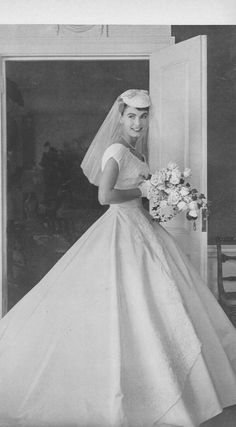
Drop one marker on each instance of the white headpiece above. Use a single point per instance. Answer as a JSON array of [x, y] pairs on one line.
[[110, 131]]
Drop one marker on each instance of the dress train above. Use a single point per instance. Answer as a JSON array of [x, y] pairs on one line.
[[122, 332]]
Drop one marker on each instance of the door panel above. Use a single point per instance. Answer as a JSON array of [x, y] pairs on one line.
[[178, 129]]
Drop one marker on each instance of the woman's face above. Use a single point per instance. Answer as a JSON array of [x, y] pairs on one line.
[[134, 122]]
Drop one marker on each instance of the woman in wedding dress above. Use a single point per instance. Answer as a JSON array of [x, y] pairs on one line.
[[121, 332]]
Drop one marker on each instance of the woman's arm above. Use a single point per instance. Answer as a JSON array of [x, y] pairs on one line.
[[107, 194]]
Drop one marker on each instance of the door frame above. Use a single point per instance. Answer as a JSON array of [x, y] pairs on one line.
[[61, 42], [3, 142], [134, 51]]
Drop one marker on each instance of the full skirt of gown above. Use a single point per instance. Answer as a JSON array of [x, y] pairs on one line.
[[121, 332]]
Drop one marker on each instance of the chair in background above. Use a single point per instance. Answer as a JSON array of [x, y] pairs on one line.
[[226, 299]]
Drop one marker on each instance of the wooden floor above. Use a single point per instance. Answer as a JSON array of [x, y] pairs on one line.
[[226, 419]]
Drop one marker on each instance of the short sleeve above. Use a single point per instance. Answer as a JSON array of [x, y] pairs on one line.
[[114, 151]]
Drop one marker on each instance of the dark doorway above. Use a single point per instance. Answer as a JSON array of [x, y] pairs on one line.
[[54, 108]]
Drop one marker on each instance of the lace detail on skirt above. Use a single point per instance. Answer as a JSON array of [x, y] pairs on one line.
[[177, 340]]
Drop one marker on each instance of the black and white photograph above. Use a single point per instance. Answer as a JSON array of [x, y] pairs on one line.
[[118, 216]]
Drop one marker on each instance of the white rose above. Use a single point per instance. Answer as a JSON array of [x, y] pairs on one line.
[[184, 191], [155, 198], [173, 198], [161, 176], [193, 206], [163, 203], [176, 172], [187, 199], [174, 179], [172, 165], [182, 206], [193, 213], [161, 187], [168, 174], [154, 179], [187, 172]]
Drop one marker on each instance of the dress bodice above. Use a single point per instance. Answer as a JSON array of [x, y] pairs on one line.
[[131, 168]]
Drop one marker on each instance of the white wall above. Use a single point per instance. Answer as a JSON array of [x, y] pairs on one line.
[[96, 39]]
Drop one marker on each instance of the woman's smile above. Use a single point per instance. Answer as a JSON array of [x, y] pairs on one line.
[[134, 122], [138, 131]]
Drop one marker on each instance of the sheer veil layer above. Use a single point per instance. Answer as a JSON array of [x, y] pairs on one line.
[[110, 131]]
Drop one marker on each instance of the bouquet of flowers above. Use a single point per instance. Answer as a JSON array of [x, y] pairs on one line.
[[170, 194]]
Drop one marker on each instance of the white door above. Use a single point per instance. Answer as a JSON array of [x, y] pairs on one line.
[[178, 133]]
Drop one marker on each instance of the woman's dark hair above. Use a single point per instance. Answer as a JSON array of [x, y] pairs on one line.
[[123, 106]]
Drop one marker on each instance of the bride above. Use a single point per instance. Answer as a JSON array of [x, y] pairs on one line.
[[121, 332]]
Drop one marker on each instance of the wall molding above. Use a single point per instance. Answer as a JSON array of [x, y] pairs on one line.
[[53, 40]]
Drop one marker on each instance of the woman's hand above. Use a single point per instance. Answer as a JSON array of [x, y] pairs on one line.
[[145, 188]]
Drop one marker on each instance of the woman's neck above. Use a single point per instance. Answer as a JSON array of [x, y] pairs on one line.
[[129, 141]]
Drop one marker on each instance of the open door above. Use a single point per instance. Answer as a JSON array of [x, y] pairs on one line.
[[179, 133]]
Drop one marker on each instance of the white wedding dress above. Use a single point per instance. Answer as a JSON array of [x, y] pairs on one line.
[[120, 333]]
